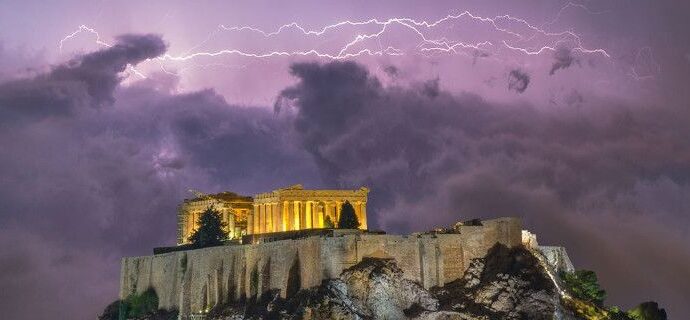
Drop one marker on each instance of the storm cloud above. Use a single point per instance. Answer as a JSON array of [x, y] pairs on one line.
[[518, 80], [93, 171], [563, 59], [605, 179], [86, 81]]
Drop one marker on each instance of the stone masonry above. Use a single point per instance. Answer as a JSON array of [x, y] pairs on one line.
[[193, 281]]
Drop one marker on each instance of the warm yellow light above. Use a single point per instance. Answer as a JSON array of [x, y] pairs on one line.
[[295, 214]]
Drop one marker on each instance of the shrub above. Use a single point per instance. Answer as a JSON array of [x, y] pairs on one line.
[[348, 218], [583, 284], [137, 305], [647, 311], [328, 223], [142, 304]]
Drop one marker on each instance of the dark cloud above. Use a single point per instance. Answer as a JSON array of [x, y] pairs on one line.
[[564, 59], [89, 80], [431, 88], [518, 80], [574, 98], [610, 181], [479, 54], [81, 190], [392, 71]]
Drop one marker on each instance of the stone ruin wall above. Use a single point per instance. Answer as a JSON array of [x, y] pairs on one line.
[[195, 280]]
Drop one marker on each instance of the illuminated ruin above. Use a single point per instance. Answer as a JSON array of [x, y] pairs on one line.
[[286, 209]]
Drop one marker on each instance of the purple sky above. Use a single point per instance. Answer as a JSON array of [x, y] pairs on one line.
[[573, 116]]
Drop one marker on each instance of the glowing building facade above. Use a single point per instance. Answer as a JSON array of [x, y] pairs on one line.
[[233, 209], [287, 209], [296, 208]]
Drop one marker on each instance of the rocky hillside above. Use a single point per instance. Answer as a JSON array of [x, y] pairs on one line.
[[508, 283]]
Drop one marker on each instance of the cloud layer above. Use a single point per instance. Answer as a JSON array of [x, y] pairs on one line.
[[608, 180], [92, 171]]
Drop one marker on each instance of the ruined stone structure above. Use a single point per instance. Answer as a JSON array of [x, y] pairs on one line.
[[193, 281], [286, 209], [232, 207], [294, 208]]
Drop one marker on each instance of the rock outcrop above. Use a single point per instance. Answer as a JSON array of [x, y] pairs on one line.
[[509, 283], [506, 284]]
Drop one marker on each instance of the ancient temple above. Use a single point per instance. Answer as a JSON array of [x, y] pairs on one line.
[[296, 208], [287, 209], [233, 209]]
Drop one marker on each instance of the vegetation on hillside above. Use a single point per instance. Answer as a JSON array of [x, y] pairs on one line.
[[211, 230], [647, 311], [584, 285], [138, 306], [348, 218], [588, 297]]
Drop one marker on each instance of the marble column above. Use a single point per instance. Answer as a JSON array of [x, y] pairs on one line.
[[269, 218], [295, 215], [308, 214], [284, 208], [314, 215], [321, 218], [276, 217], [291, 215], [262, 218], [303, 215], [363, 221], [338, 206]]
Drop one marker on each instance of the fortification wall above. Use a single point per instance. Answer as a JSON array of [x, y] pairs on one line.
[[193, 281]]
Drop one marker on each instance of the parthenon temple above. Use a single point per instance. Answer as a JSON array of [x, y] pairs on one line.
[[286, 209], [294, 208]]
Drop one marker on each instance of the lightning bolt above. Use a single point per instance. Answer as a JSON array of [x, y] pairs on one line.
[[83, 28], [573, 5], [417, 27], [505, 25]]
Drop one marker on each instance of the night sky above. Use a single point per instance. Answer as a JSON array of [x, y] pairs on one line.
[[574, 116]]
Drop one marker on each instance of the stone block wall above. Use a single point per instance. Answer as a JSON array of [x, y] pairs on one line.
[[195, 280]]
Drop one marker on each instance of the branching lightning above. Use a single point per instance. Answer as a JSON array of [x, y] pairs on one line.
[[417, 27], [515, 34]]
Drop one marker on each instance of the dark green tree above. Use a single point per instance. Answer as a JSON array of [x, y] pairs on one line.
[[211, 230], [583, 284], [138, 305], [648, 311], [348, 218]]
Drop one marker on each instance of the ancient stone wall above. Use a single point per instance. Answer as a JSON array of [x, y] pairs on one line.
[[193, 281]]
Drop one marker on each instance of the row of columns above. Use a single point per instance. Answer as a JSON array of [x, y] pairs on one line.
[[298, 215]]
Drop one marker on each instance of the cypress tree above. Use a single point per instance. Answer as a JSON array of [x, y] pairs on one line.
[[211, 230], [348, 218]]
